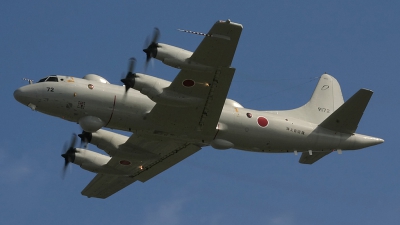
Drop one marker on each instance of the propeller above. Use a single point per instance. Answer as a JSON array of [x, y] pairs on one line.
[[150, 48], [86, 137], [69, 153], [129, 80]]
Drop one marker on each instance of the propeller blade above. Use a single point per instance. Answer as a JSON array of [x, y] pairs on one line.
[[86, 138], [69, 154], [151, 47], [156, 35], [131, 67], [129, 80]]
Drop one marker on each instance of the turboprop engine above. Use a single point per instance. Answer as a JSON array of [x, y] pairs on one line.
[[116, 145], [171, 55], [156, 89], [88, 160], [177, 58], [92, 161]]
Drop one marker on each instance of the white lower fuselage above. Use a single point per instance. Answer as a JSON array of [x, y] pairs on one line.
[[236, 128]]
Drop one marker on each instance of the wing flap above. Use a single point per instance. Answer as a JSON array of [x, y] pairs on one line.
[[166, 162]]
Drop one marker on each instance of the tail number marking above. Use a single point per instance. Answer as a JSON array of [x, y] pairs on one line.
[[324, 110]]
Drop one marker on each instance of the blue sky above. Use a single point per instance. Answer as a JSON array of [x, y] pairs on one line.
[[283, 47]]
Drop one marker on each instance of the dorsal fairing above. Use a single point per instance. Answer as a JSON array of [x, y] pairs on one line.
[[97, 78], [235, 104]]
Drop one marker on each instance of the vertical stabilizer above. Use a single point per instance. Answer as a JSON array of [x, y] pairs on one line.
[[327, 97]]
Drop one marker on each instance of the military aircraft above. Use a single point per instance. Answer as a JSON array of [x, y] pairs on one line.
[[170, 121]]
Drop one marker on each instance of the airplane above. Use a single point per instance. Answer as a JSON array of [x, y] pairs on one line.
[[170, 121]]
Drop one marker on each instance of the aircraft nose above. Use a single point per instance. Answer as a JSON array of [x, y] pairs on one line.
[[18, 95], [24, 95]]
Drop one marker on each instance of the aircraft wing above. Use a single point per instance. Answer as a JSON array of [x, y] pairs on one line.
[[156, 155], [218, 47], [104, 185], [209, 87], [159, 151]]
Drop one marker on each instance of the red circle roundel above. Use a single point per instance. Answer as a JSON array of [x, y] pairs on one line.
[[125, 162], [188, 83], [262, 121]]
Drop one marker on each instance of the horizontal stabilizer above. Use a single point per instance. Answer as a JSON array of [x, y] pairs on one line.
[[346, 118], [306, 158]]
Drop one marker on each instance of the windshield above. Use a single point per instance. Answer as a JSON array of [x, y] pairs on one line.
[[49, 79]]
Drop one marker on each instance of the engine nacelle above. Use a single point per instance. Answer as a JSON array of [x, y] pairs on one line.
[[116, 145], [94, 162], [155, 89], [178, 58]]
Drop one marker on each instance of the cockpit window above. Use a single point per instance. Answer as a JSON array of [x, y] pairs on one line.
[[42, 80], [52, 79], [49, 79]]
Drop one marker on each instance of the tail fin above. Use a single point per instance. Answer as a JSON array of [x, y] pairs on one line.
[[327, 97]]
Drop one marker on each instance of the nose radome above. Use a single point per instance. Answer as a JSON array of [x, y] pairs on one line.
[[18, 95], [25, 95]]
